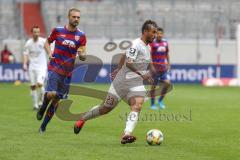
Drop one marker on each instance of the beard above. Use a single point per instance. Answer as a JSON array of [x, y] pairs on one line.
[[74, 24], [150, 40]]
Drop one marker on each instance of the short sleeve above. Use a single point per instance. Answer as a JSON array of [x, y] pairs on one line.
[[83, 40], [52, 36]]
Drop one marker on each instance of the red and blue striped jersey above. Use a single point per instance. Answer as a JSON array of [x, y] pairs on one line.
[[159, 53], [66, 45]]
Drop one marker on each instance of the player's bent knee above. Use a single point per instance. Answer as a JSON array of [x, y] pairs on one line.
[[39, 85], [136, 103], [137, 107], [34, 87], [51, 95], [167, 83]]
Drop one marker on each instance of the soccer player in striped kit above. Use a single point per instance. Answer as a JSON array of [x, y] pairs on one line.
[[161, 62], [69, 42]]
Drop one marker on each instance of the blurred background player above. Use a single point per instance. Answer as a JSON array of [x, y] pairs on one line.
[[69, 41], [35, 61], [128, 83], [161, 63], [6, 55]]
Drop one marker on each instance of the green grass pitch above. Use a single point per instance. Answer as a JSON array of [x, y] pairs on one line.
[[199, 123]]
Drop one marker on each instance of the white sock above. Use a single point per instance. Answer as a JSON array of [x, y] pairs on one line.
[[131, 122], [34, 98], [41, 92], [93, 113]]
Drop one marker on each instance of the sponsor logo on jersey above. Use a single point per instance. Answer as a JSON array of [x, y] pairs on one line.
[[161, 49], [69, 43]]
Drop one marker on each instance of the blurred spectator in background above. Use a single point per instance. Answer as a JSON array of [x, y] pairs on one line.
[[6, 56], [59, 19]]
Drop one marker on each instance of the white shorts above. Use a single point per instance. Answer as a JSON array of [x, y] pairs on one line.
[[37, 76], [125, 91]]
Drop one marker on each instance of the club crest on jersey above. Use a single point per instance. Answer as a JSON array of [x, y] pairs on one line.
[[77, 38]]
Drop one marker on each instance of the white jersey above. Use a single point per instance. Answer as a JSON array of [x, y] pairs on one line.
[[36, 54], [128, 83], [141, 55]]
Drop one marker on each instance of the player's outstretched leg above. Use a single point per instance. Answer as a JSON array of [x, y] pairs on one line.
[[93, 113], [136, 105], [110, 103]]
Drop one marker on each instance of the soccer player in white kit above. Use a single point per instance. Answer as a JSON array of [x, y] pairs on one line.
[[128, 83], [35, 61]]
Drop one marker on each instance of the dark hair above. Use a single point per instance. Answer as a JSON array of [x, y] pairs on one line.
[[147, 24], [34, 27], [73, 9], [160, 29]]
